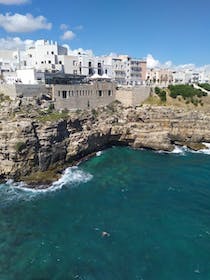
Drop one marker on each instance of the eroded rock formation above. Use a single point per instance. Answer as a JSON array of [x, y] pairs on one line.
[[29, 145]]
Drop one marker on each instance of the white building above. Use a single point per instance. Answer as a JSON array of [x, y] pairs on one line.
[[9, 60], [44, 56], [135, 70], [49, 57], [30, 77]]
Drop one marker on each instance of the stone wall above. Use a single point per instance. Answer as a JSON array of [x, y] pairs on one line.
[[8, 90], [83, 96], [16, 90], [132, 96]]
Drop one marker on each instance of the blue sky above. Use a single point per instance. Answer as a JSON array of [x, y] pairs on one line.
[[178, 31]]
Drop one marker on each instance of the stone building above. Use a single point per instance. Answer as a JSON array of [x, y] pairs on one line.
[[132, 96], [83, 96]]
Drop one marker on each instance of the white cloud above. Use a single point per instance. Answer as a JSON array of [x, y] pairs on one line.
[[113, 54], [81, 51], [79, 27], [18, 23], [68, 35], [205, 68], [13, 43], [168, 64], [78, 51], [185, 66], [152, 62], [13, 2], [155, 63], [63, 26]]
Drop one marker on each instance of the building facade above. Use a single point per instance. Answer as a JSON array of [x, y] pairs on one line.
[[85, 96], [44, 56]]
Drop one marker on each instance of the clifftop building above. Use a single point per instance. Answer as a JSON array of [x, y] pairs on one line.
[[48, 56], [45, 56]]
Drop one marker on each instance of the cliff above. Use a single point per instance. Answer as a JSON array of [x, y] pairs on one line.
[[36, 145]]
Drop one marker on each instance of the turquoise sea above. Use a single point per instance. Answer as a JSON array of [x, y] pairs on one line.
[[155, 208]]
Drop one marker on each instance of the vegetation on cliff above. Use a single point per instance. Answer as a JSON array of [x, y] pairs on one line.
[[161, 93], [205, 86], [36, 138], [186, 91]]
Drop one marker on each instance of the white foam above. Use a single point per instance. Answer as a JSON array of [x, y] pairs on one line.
[[71, 177], [99, 153], [182, 150], [177, 150], [205, 151]]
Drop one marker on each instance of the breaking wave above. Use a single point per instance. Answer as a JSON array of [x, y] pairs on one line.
[[204, 151], [183, 150], [177, 150], [72, 177]]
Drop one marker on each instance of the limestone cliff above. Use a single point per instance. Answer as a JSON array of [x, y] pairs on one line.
[[30, 144]]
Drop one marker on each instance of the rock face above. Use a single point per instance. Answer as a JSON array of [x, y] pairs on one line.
[[29, 145]]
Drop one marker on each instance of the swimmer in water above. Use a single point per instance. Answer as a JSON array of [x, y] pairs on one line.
[[105, 234]]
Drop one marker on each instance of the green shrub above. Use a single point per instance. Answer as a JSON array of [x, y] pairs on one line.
[[94, 112], [51, 108], [205, 86], [161, 93], [157, 90], [54, 116], [20, 146], [185, 91], [162, 96]]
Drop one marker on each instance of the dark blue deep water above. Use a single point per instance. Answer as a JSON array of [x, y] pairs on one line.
[[155, 206]]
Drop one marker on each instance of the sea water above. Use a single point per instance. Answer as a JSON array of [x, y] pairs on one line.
[[153, 206]]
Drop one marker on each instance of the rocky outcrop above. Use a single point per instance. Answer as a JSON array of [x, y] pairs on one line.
[[29, 145]]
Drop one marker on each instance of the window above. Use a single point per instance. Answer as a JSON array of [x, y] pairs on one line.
[[52, 52], [60, 62], [109, 93], [100, 93], [90, 71], [64, 94], [49, 61], [59, 93]]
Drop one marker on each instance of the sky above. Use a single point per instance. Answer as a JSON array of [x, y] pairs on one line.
[[165, 32]]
